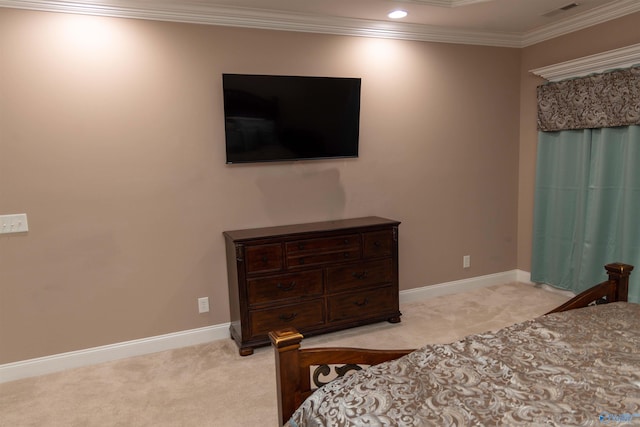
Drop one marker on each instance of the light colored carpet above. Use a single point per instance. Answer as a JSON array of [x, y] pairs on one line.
[[211, 385]]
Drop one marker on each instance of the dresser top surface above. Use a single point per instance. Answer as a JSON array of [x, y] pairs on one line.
[[323, 226]]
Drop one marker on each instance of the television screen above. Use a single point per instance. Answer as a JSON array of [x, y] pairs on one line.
[[279, 118]]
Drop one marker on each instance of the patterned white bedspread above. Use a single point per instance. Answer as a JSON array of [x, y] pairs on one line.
[[577, 368]]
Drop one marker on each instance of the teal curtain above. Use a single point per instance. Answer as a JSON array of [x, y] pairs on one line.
[[587, 206]]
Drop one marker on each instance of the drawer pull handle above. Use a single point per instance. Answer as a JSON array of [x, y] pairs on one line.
[[377, 243], [363, 303], [300, 246], [265, 258], [288, 318], [301, 261], [346, 241], [346, 254], [288, 287], [360, 275]]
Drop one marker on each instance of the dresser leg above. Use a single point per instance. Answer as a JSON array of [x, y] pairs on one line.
[[395, 319], [245, 351]]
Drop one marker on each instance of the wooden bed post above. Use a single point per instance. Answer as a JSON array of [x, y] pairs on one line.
[[614, 289], [619, 273], [286, 343]]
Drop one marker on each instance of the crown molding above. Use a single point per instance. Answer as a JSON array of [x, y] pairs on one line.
[[581, 21], [619, 58], [443, 3], [201, 13]]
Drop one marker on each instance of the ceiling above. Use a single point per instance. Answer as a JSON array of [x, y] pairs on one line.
[[510, 23]]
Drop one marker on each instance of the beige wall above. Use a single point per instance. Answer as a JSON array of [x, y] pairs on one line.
[[612, 35], [112, 142]]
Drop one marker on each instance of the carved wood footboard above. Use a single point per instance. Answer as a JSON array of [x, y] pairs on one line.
[[293, 366], [300, 371]]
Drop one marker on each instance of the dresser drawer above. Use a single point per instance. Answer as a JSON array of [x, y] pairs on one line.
[[359, 275], [323, 250], [264, 258], [358, 304], [324, 244], [324, 258], [300, 316], [378, 244], [273, 289]]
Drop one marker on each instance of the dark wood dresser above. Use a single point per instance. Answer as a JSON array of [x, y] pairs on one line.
[[317, 277]]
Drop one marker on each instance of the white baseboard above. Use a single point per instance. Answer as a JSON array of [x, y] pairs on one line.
[[91, 356], [523, 276], [425, 292]]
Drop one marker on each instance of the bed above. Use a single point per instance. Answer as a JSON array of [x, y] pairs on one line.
[[577, 365]]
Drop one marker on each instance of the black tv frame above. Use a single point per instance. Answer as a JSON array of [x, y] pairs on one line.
[[278, 118]]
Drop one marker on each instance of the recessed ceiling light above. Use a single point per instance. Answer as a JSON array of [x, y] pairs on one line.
[[397, 14]]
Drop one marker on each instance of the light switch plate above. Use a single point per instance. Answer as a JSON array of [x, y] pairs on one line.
[[15, 223]]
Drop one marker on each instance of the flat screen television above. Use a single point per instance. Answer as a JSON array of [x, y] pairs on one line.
[[281, 118]]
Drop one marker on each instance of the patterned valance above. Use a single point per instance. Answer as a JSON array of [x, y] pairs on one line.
[[596, 101]]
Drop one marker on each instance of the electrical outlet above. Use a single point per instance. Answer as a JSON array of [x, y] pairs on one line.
[[16, 223], [203, 305], [466, 261]]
